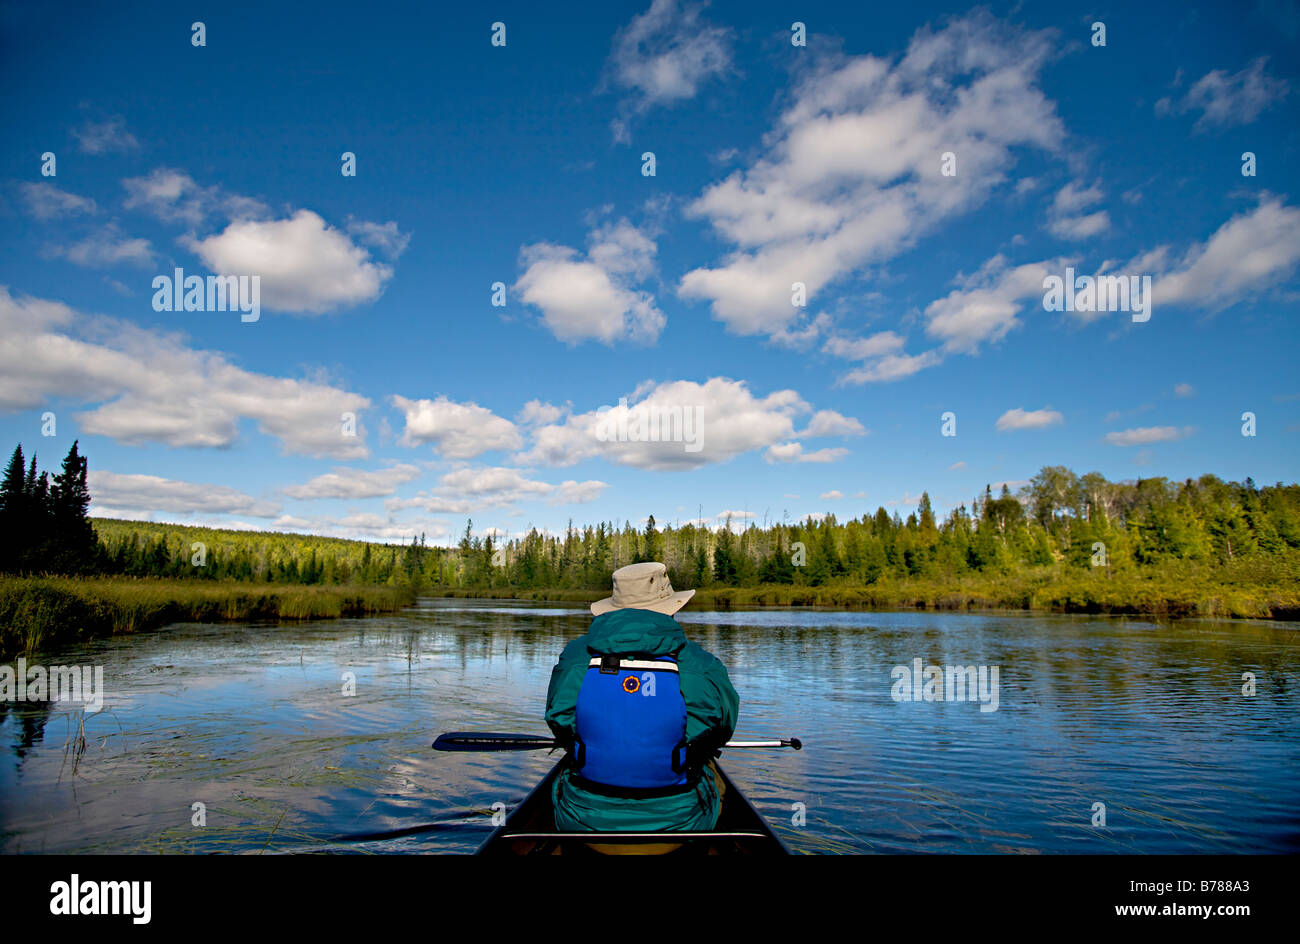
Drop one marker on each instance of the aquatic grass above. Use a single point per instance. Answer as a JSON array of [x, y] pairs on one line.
[[36, 612]]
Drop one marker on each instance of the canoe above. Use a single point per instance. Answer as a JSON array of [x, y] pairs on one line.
[[530, 830]]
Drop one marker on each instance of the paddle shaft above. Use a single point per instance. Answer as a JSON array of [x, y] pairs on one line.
[[490, 741]]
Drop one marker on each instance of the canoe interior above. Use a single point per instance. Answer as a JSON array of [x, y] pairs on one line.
[[530, 830]]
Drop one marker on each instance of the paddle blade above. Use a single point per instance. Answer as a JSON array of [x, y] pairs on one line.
[[489, 741]]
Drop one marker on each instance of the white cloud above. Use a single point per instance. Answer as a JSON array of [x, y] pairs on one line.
[[1066, 219], [833, 495], [984, 308], [305, 265], [455, 430], [594, 298], [537, 413], [892, 367], [364, 526], [470, 490], [830, 423], [1066, 216], [355, 483], [1029, 419], [852, 173], [793, 452], [861, 349], [665, 54], [1146, 435], [47, 202], [956, 465], [110, 490], [1230, 99], [385, 237], [173, 196], [1184, 390], [100, 137], [1251, 252], [731, 421], [151, 388], [108, 246]]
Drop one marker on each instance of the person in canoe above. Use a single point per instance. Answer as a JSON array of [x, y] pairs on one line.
[[642, 711]]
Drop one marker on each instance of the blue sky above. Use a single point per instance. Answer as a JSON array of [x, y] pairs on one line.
[[522, 164]]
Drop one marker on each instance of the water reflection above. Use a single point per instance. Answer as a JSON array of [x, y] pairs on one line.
[[251, 721]]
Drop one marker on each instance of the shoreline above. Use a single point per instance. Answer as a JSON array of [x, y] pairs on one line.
[[38, 612], [1164, 598]]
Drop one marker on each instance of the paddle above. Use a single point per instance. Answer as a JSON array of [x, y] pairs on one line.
[[489, 741]]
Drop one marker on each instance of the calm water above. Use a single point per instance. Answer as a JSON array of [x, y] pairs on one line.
[[249, 720]]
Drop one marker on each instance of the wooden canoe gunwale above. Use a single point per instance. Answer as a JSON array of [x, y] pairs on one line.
[[520, 826]]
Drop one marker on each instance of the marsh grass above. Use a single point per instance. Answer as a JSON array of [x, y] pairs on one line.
[[1250, 588], [36, 612]]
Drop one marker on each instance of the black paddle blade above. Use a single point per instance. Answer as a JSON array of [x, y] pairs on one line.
[[489, 741]]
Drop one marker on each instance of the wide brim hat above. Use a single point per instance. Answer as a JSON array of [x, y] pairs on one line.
[[643, 587]]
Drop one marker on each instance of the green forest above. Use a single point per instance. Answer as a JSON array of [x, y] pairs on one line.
[[1062, 542]]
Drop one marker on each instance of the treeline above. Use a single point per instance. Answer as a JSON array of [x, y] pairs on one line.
[[145, 549], [44, 525], [1059, 518]]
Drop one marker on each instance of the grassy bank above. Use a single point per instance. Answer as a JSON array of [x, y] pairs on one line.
[[1251, 589], [41, 611]]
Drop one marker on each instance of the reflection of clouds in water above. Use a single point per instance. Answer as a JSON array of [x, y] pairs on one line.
[[251, 720]]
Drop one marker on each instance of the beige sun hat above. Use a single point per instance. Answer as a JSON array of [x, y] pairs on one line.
[[643, 587]]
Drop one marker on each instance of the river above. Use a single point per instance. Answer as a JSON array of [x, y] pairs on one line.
[[1143, 723]]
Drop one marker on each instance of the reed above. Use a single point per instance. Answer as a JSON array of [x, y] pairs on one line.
[[36, 612]]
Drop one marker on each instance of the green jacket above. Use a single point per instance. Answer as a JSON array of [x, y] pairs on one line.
[[711, 709]]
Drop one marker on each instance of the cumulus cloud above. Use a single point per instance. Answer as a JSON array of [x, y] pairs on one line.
[[355, 483], [1184, 390], [455, 430], [594, 298], [1029, 419], [720, 416], [46, 201], [537, 413], [852, 174], [150, 387], [1145, 435], [1226, 99], [109, 491], [305, 265], [1251, 252]]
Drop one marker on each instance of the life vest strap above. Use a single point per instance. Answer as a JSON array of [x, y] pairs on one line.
[[639, 665]]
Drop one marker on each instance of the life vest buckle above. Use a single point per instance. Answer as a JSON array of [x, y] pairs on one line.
[[609, 664]]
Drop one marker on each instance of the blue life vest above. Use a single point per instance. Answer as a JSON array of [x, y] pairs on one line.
[[631, 724]]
